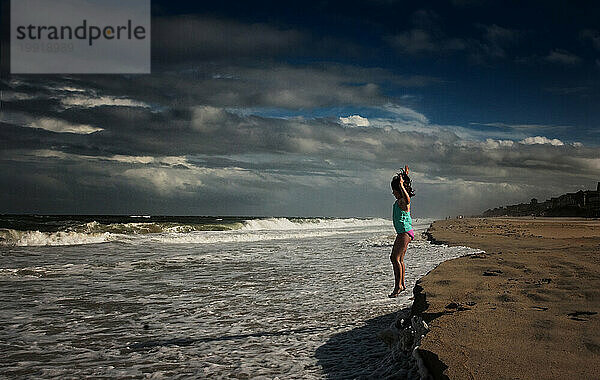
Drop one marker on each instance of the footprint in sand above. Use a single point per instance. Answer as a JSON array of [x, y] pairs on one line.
[[492, 272], [577, 314]]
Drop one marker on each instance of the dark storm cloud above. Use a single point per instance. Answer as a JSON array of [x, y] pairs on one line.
[[420, 41], [592, 36], [182, 37], [426, 36], [431, 34], [486, 43], [469, 3], [562, 57], [495, 43], [193, 38], [270, 85]]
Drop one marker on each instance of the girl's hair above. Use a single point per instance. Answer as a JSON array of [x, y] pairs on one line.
[[407, 183]]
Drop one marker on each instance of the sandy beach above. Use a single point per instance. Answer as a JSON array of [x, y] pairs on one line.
[[527, 308]]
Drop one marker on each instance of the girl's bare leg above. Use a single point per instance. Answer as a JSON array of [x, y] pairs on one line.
[[397, 259], [396, 266]]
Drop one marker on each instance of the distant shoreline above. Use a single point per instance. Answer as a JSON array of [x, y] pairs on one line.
[[525, 308]]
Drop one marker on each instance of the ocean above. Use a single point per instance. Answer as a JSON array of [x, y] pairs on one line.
[[201, 297]]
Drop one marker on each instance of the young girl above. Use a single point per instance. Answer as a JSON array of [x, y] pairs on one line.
[[402, 190]]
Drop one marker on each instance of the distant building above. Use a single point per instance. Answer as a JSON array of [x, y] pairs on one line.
[[581, 203]]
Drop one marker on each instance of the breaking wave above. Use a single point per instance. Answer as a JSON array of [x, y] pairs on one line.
[[173, 232], [310, 223], [36, 238], [153, 227]]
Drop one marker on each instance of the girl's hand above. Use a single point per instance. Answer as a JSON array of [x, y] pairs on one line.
[[406, 169]]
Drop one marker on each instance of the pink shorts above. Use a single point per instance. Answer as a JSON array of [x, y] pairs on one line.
[[411, 233]]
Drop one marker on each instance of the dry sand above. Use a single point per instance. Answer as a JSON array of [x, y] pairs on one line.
[[529, 308]]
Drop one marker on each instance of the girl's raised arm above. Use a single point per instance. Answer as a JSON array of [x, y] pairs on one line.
[[402, 189]]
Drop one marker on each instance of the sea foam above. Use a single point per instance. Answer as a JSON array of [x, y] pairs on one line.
[[10, 237]]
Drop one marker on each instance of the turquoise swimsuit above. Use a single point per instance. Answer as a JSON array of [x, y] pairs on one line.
[[402, 219]]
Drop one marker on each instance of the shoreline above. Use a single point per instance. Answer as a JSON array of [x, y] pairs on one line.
[[526, 307]]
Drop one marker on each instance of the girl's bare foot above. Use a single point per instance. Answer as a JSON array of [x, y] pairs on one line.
[[396, 292]]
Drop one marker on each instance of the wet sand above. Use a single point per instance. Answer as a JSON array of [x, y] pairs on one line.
[[528, 308]]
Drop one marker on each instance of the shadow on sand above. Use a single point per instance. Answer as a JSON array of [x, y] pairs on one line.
[[358, 353], [361, 353]]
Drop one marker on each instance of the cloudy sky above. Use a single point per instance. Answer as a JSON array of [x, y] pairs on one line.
[[262, 108]]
